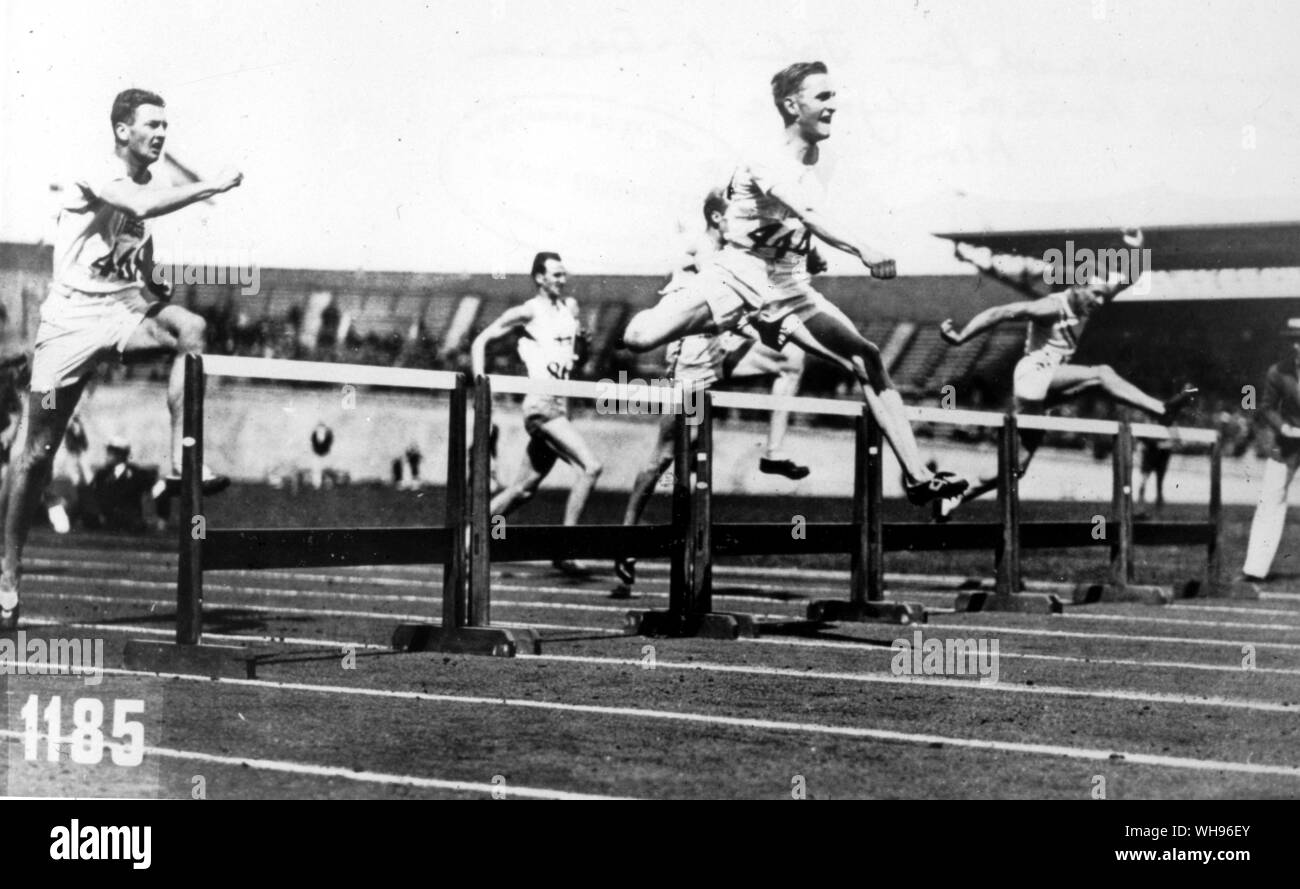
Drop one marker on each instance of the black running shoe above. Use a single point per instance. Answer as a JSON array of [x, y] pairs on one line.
[[1179, 401], [939, 486], [625, 571], [787, 468]]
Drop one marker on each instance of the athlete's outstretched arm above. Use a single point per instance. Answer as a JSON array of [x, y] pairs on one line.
[[832, 231], [131, 197], [1043, 309], [511, 319]]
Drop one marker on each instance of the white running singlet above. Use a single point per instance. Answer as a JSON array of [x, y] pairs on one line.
[[97, 248]]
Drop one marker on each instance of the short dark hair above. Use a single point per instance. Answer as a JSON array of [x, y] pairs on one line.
[[716, 202], [787, 81], [128, 100], [539, 262]]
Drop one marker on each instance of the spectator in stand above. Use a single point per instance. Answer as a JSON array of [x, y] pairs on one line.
[[119, 492]]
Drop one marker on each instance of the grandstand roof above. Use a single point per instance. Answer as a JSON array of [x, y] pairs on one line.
[[1173, 247]]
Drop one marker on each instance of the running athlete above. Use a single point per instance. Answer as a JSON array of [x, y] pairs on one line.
[[549, 335], [700, 361], [776, 207], [97, 305], [1044, 377]]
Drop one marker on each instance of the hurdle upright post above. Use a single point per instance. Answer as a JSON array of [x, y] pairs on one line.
[[679, 570], [1007, 595], [1121, 548], [866, 602], [189, 582], [1007, 559], [466, 589], [454, 579], [701, 584], [476, 612], [690, 596], [1213, 557], [189, 654], [1119, 531]]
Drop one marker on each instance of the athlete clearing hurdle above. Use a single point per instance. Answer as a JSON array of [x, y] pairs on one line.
[[549, 335], [701, 360], [776, 207], [1044, 377], [103, 267]]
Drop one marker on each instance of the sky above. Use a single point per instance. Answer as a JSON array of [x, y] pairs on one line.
[[466, 136]]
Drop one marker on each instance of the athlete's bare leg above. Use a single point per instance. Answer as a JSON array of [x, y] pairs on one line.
[[185, 333], [1069, 380], [829, 335], [39, 435], [522, 489], [670, 320], [653, 470], [564, 439], [787, 366], [785, 385], [642, 490]]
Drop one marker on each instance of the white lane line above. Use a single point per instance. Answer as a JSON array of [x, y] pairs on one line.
[[1115, 637], [1054, 750], [1142, 618], [848, 647], [382, 615], [158, 631], [295, 640], [285, 609], [319, 771], [857, 647], [434, 602], [940, 682]]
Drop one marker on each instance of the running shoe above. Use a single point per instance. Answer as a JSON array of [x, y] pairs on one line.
[[939, 486], [787, 468], [1179, 401]]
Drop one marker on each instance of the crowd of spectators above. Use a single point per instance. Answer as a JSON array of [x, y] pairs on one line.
[[329, 336]]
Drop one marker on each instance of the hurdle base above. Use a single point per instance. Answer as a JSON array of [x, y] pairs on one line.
[[486, 641], [1023, 603], [214, 661], [710, 625], [1086, 593], [841, 610]]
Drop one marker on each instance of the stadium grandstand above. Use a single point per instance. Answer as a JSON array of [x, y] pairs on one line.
[[1217, 294]]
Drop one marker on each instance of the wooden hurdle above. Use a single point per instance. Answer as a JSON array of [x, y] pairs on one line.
[[497, 540], [202, 548], [861, 538]]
